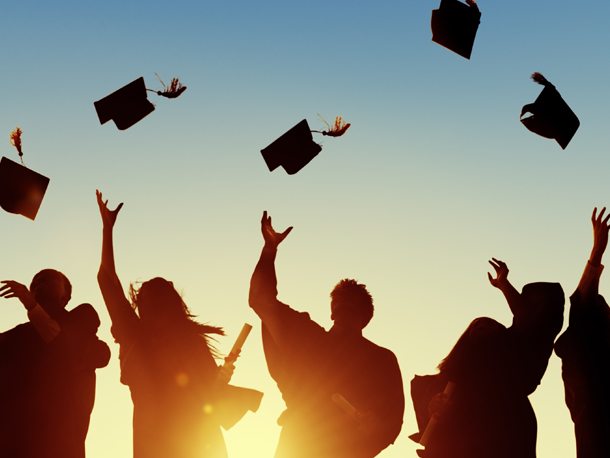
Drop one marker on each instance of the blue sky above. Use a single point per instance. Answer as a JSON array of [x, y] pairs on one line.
[[435, 176]]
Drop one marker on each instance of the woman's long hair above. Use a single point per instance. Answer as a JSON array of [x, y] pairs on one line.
[[158, 300], [471, 354]]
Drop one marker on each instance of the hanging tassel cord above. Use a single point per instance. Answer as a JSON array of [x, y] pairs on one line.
[[15, 137], [337, 130], [172, 90]]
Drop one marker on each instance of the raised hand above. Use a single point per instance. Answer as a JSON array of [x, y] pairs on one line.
[[108, 216], [12, 289], [600, 235], [501, 273], [272, 238]]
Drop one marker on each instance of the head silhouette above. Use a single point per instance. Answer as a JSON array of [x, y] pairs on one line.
[[161, 308], [470, 354], [52, 290], [351, 304]]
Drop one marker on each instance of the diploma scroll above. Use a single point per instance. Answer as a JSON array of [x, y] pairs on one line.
[[434, 420], [347, 407], [239, 342]]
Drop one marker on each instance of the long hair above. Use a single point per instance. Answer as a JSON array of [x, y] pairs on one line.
[[472, 351], [158, 299]]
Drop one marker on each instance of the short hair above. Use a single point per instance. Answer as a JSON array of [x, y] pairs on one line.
[[356, 297], [54, 276]]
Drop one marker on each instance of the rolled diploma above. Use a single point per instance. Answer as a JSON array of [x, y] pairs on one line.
[[434, 420], [239, 342], [346, 406]]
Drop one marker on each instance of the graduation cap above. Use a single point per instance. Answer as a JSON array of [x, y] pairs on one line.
[[21, 189], [296, 148], [551, 116], [455, 24], [130, 104]]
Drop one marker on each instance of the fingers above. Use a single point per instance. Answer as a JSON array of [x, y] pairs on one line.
[[491, 279], [118, 209], [594, 215], [601, 215], [286, 232]]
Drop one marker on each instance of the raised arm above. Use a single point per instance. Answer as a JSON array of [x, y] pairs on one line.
[[515, 303], [118, 307], [46, 326], [263, 285], [589, 282]]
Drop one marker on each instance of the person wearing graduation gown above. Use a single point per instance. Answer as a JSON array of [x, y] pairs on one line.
[[168, 363], [494, 370], [584, 349], [47, 371], [310, 365]]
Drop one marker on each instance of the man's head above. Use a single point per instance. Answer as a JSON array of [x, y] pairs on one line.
[[351, 303], [51, 289]]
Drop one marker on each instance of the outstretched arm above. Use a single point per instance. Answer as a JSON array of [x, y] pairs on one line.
[[263, 285], [501, 282], [46, 326], [118, 307], [589, 282]]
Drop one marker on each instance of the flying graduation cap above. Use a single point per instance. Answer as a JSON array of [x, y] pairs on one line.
[[455, 24], [21, 189], [130, 104], [296, 148], [551, 116]]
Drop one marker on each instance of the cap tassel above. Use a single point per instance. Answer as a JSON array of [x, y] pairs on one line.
[[172, 91], [16, 141], [472, 4], [538, 78], [337, 130]]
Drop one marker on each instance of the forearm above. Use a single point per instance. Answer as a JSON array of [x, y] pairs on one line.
[[588, 286], [513, 298], [47, 327], [263, 285], [107, 250]]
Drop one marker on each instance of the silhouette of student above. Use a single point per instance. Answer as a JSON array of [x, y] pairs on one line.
[[494, 369], [168, 364], [584, 349], [310, 364], [47, 371]]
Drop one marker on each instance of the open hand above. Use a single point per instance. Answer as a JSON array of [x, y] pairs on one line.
[[501, 273], [600, 235], [12, 289], [108, 216], [272, 238]]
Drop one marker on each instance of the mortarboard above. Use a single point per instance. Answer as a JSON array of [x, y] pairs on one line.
[[21, 189], [130, 104], [455, 24], [296, 148], [551, 116]]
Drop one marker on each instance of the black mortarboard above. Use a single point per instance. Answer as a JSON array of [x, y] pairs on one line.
[[21, 189], [293, 150], [551, 115], [455, 24], [126, 106]]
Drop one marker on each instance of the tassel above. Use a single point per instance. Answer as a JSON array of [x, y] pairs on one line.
[[538, 78], [173, 90], [472, 4], [338, 129], [16, 141]]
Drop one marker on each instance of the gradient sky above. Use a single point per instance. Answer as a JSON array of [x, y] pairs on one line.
[[435, 176]]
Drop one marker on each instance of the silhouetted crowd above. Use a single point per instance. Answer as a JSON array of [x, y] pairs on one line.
[[344, 394]]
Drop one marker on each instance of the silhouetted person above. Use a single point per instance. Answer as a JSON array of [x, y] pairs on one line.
[[311, 364], [47, 371], [585, 352], [494, 369], [168, 364]]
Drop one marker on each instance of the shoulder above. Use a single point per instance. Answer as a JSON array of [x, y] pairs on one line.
[[85, 315]]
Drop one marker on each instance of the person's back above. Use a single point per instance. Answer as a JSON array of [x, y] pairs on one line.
[[47, 374], [311, 366]]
